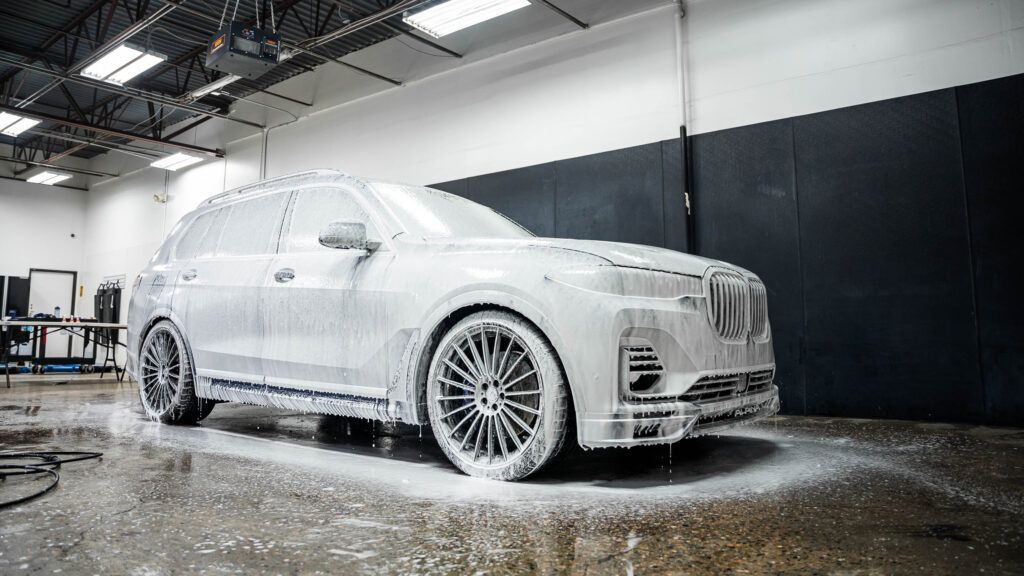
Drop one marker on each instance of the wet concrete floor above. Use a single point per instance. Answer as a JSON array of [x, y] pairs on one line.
[[255, 490]]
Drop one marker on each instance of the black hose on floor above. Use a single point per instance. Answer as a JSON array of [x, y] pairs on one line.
[[50, 460]]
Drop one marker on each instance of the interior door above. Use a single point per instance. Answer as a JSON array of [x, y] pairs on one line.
[[221, 285], [49, 289], [324, 314]]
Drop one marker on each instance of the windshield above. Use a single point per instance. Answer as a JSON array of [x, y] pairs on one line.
[[429, 213]]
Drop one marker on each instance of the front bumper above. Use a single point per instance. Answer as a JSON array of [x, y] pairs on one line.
[[667, 422]]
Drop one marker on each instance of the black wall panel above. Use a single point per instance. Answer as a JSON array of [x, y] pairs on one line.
[[612, 196], [746, 213], [890, 330], [457, 187], [527, 195], [630, 195], [992, 131]]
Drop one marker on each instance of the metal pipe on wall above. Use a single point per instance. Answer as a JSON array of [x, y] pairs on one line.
[[81, 171]]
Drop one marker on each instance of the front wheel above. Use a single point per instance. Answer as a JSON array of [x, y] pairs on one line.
[[497, 398], [166, 381]]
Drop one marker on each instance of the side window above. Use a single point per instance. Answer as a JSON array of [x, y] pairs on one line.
[[316, 208], [208, 247], [253, 226], [190, 240]]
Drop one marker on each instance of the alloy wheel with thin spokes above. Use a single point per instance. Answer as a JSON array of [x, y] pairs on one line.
[[160, 371], [496, 396], [166, 381], [490, 394]]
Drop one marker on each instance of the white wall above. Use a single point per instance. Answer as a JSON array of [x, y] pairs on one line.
[[36, 224], [609, 87], [751, 61]]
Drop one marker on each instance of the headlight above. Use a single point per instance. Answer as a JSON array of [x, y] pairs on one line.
[[624, 281]]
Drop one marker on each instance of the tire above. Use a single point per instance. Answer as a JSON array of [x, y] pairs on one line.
[[166, 378], [501, 416]]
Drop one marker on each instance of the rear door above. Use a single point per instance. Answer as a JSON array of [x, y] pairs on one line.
[[220, 288], [323, 307]]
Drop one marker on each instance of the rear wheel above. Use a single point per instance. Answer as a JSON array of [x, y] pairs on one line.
[[497, 398], [166, 381]]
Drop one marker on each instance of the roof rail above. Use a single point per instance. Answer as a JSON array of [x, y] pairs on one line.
[[261, 185]]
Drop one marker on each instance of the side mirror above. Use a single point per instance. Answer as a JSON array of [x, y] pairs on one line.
[[346, 236]]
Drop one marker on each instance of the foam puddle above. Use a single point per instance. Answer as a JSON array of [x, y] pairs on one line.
[[793, 461]]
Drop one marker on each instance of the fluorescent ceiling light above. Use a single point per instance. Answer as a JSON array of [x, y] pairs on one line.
[[175, 161], [136, 67], [122, 64], [212, 86], [48, 178], [453, 15], [12, 124]]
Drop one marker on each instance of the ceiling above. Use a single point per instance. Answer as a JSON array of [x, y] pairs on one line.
[[44, 43], [57, 35]]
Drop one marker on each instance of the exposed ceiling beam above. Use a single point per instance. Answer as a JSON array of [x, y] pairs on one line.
[[112, 132], [82, 171], [81, 17], [106, 48], [364, 22], [146, 96], [420, 39], [298, 47], [186, 128], [565, 14]]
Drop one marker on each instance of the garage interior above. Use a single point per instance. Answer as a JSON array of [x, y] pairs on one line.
[[863, 158]]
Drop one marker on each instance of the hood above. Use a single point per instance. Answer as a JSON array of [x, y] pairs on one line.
[[638, 256], [617, 253]]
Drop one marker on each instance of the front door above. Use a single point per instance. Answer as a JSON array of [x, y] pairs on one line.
[[323, 311]]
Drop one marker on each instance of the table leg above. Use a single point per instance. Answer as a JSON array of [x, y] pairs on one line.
[[5, 351]]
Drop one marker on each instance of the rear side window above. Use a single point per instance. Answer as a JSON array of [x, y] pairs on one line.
[[208, 247], [253, 226], [314, 209], [190, 240]]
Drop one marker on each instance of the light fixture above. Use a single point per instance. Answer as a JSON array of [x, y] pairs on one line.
[[212, 87], [12, 124], [175, 161], [453, 15], [122, 64], [48, 178]]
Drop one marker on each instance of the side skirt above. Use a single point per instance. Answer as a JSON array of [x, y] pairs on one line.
[[294, 399]]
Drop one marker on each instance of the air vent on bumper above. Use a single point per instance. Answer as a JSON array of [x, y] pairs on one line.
[[643, 367]]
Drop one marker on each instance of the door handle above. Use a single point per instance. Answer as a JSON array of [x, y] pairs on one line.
[[188, 275], [284, 275]]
